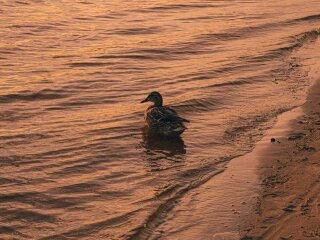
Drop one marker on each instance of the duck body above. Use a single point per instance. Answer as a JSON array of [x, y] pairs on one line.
[[161, 119], [164, 120]]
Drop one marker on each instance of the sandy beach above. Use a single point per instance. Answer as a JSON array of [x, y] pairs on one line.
[[289, 201]]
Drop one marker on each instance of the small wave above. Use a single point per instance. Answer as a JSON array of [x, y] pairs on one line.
[[163, 54], [22, 26], [298, 42], [174, 7], [136, 31], [77, 188], [86, 3], [14, 116], [220, 36], [230, 83], [211, 73], [247, 32], [237, 33], [308, 36], [88, 64], [64, 56], [83, 168], [24, 136], [309, 18], [197, 18], [126, 56], [105, 16], [11, 231], [61, 108], [83, 102], [10, 50], [22, 3], [83, 18], [5, 181], [46, 94], [196, 105], [95, 227], [155, 51], [27, 216], [39, 200]]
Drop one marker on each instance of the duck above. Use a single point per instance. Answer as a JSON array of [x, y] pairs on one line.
[[161, 119]]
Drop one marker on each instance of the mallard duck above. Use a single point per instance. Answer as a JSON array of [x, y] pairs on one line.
[[161, 119]]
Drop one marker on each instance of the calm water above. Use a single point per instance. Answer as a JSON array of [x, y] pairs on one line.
[[75, 163]]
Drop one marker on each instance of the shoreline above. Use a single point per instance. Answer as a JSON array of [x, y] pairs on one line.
[[288, 204], [237, 200]]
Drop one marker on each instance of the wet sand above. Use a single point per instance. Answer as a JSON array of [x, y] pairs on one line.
[[289, 200], [269, 193]]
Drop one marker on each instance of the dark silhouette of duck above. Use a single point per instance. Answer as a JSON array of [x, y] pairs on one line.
[[161, 119], [168, 146]]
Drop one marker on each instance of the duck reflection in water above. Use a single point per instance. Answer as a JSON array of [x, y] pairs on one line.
[[167, 145]]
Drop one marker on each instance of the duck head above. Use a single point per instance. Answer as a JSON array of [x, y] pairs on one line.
[[154, 97]]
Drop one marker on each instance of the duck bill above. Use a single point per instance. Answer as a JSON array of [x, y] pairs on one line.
[[146, 100]]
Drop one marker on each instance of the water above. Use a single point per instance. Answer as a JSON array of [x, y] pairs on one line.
[[75, 163]]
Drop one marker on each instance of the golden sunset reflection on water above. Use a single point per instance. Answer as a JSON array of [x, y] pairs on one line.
[[76, 162]]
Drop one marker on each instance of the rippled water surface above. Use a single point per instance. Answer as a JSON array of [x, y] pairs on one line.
[[75, 162]]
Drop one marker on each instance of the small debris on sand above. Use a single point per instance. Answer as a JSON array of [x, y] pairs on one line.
[[296, 136]]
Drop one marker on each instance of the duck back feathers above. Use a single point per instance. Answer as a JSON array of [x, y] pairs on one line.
[[164, 120]]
